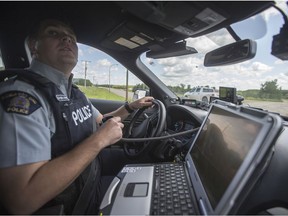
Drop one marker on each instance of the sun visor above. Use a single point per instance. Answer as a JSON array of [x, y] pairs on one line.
[[139, 35]]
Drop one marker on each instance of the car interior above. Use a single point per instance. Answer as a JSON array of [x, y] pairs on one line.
[[125, 30]]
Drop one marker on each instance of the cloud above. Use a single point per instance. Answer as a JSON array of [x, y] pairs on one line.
[[168, 61], [189, 70], [282, 4], [269, 13], [179, 67], [279, 62], [92, 50], [273, 12], [103, 63], [261, 67], [80, 53], [202, 44], [210, 42]]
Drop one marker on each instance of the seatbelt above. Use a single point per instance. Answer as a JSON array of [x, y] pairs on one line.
[[86, 193]]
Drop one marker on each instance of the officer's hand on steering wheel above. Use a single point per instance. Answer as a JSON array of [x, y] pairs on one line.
[[142, 102]]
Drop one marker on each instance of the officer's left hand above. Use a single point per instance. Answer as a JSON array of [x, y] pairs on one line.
[[142, 102]]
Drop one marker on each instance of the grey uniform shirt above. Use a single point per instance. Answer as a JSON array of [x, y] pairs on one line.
[[27, 138]]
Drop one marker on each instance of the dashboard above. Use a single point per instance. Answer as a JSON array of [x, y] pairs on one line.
[[181, 118]]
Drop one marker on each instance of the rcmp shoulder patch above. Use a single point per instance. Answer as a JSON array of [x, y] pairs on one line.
[[19, 102]]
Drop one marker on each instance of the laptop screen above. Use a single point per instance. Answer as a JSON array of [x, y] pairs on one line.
[[221, 146]]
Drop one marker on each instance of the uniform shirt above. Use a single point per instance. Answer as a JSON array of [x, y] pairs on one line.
[[27, 138]]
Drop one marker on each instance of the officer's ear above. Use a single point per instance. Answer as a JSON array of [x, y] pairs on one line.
[[32, 44]]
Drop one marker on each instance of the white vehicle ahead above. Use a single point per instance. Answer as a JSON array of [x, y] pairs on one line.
[[201, 93]]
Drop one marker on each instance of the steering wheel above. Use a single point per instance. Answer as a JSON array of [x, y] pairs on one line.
[[146, 122]]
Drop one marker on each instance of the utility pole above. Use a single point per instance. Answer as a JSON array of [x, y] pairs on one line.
[[85, 71], [127, 85], [110, 75]]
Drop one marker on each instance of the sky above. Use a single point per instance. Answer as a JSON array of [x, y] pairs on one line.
[[189, 70]]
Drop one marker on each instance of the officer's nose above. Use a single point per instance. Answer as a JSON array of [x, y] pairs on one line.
[[66, 38]]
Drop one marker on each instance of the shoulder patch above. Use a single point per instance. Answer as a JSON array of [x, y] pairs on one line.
[[19, 102]]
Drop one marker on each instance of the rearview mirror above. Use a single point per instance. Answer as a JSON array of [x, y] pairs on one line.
[[232, 53]]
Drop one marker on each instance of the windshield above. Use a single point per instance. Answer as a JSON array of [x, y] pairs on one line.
[[260, 82]]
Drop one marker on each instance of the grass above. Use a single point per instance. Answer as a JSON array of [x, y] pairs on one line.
[[100, 93]]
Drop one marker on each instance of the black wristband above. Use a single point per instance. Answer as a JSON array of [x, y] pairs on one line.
[[126, 105]]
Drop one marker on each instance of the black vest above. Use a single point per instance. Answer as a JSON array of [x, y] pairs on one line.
[[74, 122]]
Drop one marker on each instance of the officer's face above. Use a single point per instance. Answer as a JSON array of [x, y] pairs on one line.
[[56, 46]]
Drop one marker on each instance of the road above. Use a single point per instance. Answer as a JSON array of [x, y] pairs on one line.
[[121, 93], [279, 107]]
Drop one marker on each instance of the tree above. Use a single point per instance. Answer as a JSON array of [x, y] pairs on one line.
[[270, 90], [140, 87], [81, 81]]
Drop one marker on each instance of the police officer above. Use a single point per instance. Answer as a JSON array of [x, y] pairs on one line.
[[50, 132]]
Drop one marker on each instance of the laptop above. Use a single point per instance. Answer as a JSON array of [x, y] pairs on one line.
[[231, 150]]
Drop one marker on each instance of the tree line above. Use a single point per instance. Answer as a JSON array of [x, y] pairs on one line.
[[269, 90]]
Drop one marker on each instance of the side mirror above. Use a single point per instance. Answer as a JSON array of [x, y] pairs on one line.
[[232, 53], [139, 94]]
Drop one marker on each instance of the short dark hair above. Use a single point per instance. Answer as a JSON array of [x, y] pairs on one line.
[[43, 24]]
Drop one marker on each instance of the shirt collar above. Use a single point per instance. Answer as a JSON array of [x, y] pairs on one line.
[[54, 75]]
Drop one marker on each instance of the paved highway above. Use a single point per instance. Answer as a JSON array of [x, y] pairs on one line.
[[121, 93]]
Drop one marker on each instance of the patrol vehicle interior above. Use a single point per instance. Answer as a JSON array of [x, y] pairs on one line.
[[164, 25]]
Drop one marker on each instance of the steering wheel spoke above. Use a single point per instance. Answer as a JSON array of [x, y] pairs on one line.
[[153, 123]]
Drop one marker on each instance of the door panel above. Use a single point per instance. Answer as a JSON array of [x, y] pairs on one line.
[[106, 106]]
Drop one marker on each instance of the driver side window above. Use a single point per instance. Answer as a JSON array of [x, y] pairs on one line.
[[100, 76], [2, 67]]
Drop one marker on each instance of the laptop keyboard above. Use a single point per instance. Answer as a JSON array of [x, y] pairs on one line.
[[171, 195]]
